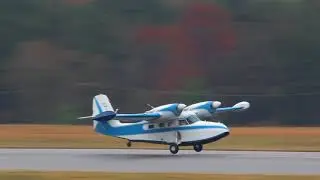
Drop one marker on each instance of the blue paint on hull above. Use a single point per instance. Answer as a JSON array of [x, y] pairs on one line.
[[106, 129]]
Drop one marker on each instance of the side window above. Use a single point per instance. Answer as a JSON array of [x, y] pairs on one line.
[[171, 124], [151, 126], [161, 125]]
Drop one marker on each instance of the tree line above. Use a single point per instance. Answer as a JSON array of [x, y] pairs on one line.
[[55, 55]]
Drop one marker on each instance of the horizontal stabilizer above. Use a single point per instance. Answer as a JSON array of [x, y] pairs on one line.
[[105, 116], [85, 117], [138, 116]]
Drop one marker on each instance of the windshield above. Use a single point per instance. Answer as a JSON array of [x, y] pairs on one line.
[[192, 119]]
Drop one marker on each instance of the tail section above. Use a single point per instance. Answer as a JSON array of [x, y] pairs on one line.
[[102, 109], [100, 104], [102, 114]]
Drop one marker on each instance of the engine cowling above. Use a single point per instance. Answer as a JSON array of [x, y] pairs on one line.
[[169, 110], [204, 109]]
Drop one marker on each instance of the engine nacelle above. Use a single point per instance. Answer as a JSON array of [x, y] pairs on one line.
[[169, 110], [204, 109]]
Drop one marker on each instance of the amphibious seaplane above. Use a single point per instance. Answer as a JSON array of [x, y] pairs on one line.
[[173, 124]]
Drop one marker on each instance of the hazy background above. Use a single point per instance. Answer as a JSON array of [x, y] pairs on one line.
[[55, 55]]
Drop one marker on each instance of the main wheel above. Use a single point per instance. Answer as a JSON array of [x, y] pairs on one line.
[[129, 144], [197, 147], [174, 148]]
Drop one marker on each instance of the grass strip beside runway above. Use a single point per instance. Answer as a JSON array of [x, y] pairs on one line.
[[30, 175], [68, 136]]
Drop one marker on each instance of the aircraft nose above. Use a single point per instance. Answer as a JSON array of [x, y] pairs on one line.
[[226, 129], [223, 128], [219, 131]]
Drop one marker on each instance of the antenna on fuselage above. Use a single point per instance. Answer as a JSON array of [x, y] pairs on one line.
[[150, 106]]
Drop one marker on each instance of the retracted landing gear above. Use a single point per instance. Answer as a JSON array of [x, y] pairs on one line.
[[174, 148], [129, 144], [197, 147]]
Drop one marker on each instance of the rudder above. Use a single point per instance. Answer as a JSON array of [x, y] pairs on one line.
[[103, 112], [100, 104]]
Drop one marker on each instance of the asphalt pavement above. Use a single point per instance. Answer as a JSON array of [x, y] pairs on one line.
[[187, 161]]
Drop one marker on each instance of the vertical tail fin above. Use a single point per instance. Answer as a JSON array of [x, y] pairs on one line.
[[100, 104], [102, 113], [102, 110]]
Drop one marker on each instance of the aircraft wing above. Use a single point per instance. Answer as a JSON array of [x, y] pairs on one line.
[[227, 109], [161, 113]]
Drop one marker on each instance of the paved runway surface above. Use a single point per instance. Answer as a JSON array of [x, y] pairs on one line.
[[131, 160]]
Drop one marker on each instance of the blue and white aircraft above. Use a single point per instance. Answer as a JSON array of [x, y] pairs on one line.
[[171, 124]]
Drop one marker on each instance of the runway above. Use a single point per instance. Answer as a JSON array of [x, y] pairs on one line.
[[133, 160]]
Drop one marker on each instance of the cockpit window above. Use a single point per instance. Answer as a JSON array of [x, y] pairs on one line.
[[189, 121], [192, 119], [183, 122]]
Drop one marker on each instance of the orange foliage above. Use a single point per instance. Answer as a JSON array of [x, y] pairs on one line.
[[203, 32]]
